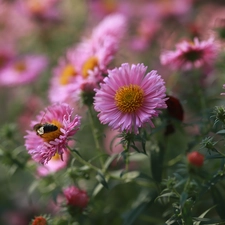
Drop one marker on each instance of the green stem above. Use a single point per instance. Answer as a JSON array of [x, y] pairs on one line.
[[82, 161], [94, 132], [187, 184]]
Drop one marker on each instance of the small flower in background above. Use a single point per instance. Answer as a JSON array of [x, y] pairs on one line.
[[76, 197], [128, 98], [7, 54], [145, 34], [54, 164], [195, 158], [40, 10], [190, 55], [39, 220], [23, 70], [44, 143], [102, 8]]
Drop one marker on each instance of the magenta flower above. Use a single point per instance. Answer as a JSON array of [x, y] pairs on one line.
[[22, 70], [189, 55], [76, 197], [128, 99], [53, 128]]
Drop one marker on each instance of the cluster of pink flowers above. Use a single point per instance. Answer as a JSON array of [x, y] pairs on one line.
[[88, 61]]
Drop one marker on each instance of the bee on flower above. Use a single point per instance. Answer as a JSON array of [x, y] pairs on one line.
[[51, 132]]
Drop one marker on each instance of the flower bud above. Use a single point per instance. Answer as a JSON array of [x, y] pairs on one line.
[[195, 158], [76, 197]]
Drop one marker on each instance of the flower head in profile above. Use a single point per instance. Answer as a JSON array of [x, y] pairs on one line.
[[128, 98], [52, 130], [189, 55]]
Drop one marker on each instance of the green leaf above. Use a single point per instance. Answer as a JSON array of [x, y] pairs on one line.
[[156, 161], [202, 216], [221, 132], [208, 221], [183, 198], [219, 200], [100, 177], [144, 200], [97, 189]]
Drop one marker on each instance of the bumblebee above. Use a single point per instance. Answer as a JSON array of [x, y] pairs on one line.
[[44, 128]]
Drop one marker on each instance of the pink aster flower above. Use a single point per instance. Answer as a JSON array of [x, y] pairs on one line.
[[128, 98], [52, 130], [189, 55], [76, 197], [23, 70], [86, 63], [54, 164]]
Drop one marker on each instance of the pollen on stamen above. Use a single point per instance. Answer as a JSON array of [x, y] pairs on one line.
[[129, 98]]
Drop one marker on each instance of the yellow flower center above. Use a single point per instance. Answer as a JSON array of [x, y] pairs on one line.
[[129, 98], [52, 135], [90, 64], [56, 157], [20, 66], [67, 73]]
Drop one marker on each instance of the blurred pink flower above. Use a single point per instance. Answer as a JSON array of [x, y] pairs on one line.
[[13, 25], [44, 144], [128, 98], [54, 164], [87, 62], [40, 10], [101, 8], [190, 55], [76, 197], [7, 54], [146, 31], [22, 70], [64, 82]]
